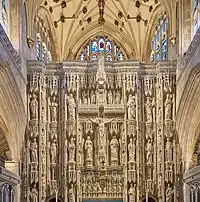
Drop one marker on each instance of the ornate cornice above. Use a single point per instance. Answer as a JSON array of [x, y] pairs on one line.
[[110, 67], [12, 53], [9, 177], [192, 48], [192, 175]]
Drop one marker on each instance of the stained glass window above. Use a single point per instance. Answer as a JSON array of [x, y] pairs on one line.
[[195, 16], [94, 47], [38, 48], [43, 45], [99, 45], [159, 43], [4, 15]]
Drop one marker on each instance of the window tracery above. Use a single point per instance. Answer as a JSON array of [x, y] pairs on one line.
[[99, 45], [43, 46], [195, 15], [159, 44], [4, 14]]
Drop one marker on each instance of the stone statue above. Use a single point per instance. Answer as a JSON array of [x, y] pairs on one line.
[[118, 97], [34, 151], [114, 148], [101, 74], [149, 113], [34, 194], [110, 97], [169, 194], [71, 194], [54, 110], [102, 155], [168, 150], [84, 97], [131, 150], [89, 149], [149, 149], [71, 107], [71, 149], [34, 107], [93, 97], [53, 152], [131, 107], [132, 193], [101, 123], [168, 107], [43, 186]]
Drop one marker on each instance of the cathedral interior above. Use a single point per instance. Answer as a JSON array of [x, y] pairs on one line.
[[99, 101]]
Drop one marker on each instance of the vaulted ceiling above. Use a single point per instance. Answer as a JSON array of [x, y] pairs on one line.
[[128, 21]]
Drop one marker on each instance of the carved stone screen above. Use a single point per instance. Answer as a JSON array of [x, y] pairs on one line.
[[101, 131]]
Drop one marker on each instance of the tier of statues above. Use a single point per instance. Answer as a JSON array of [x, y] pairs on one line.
[[98, 134]]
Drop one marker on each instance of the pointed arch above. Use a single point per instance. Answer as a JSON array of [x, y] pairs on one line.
[[128, 44]]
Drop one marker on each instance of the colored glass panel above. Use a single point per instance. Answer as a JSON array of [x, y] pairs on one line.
[[108, 46], [94, 47], [101, 45]]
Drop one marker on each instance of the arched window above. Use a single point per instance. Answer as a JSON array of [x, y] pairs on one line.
[[99, 45], [195, 16], [159, 43], [38, 47], [43, 45], [4, 14]]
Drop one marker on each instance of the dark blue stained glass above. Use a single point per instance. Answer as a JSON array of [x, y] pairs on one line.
[[196, 22], [152, 57], [3, 2], [164, 49], [158, 52], [38, 49], [196, 4]]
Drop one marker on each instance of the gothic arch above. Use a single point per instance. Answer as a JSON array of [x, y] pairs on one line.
[[151, 31], [13, 115], [188, 114], [128, 44], [43, 12]]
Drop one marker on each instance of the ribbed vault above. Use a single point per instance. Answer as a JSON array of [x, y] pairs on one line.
[[71, 34]]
